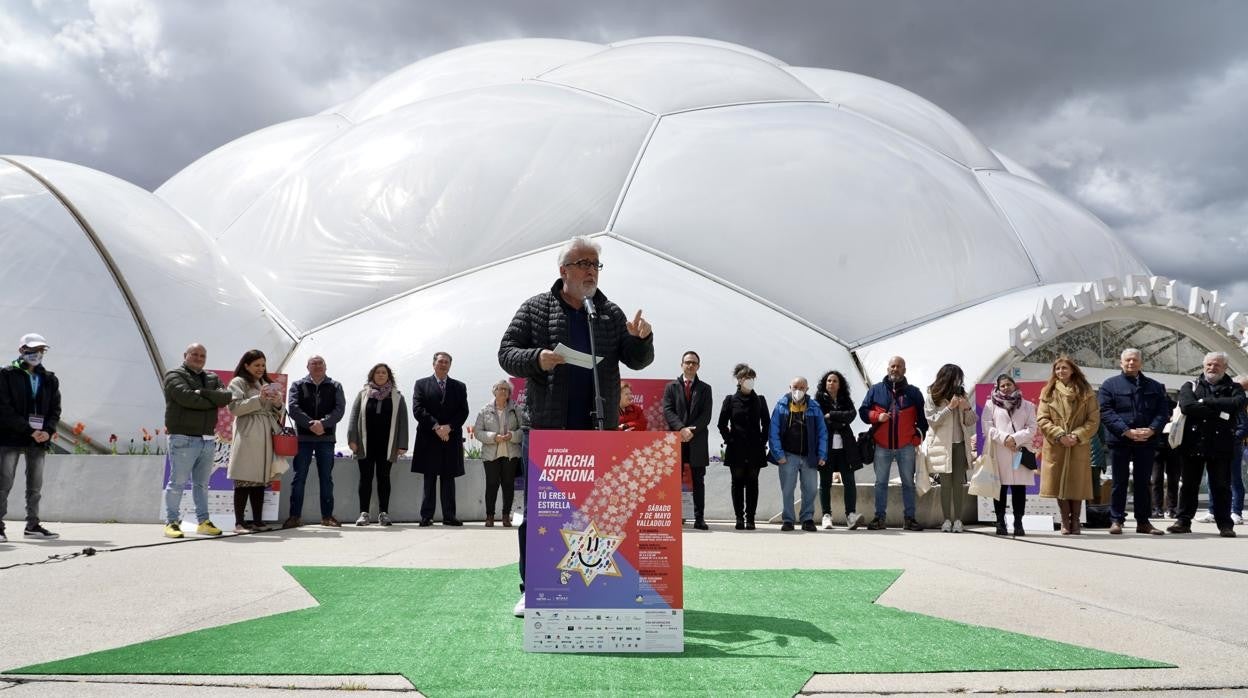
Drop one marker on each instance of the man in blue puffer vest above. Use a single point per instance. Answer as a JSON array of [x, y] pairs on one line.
[[799, 445]]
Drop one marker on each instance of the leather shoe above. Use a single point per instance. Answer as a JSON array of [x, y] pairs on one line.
[[787, 526], [331, 522], [426, 522], [489, 521], [1115, 529], [291, 522], [1226, 532], [809, 527], [701, 525], [452, 522], [1149, 528], [1179, 526]]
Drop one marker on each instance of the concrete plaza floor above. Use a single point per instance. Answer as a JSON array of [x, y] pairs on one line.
[[1176, 599]]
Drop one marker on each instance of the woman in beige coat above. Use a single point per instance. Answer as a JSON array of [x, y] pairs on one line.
[[258, 410], [499, 426], [949, 446], [1068, 417]]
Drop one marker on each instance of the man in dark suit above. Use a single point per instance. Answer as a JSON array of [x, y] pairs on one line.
[[440, 405], [687, 408]]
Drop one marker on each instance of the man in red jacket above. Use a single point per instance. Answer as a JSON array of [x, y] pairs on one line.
[[894, 409]]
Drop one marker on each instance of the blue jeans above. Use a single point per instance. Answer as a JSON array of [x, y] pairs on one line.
[[324, 452], [791, 470], [189, 456], [884, 458], [1237, 481]]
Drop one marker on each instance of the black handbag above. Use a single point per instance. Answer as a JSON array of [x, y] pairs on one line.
[[1028, 460], [866, 446]]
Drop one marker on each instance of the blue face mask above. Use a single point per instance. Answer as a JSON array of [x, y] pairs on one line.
[[33, 358]]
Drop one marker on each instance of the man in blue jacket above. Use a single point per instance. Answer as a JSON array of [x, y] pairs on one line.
[[894, 409], [1134, 409], [799, 445], [316, 404]]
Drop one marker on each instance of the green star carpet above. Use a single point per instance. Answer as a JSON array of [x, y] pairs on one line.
[[747, 632]]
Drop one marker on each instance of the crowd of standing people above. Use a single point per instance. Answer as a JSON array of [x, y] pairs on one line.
[[1147, 437]]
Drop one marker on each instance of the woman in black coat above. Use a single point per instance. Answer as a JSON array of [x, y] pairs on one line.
[[744, 422], [838, 413]]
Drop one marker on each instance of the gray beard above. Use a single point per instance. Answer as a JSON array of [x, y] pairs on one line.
[[1213, 377]]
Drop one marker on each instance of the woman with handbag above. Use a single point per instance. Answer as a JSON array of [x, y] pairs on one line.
[[499, 427], [1068, 416], [1009, 426], [839, 413], [950, 423], [377, 435], [258, 409], [744, 423]]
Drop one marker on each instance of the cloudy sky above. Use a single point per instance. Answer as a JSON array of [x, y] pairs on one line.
[[1135, 108]]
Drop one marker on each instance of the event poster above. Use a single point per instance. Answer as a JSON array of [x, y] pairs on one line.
[[220, 487], [647, 395], [603, 570], [1035, 505]]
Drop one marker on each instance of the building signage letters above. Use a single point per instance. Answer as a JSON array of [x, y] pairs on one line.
[[1131, 290]]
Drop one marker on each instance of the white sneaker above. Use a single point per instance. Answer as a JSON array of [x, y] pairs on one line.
[[947, 526], [1207, 518], [1237, 519], [957, 526], [384, 519], [518, 611], [853, 520], [827, 521], [363, 520]]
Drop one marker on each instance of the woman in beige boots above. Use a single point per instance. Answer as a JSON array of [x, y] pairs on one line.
[[1068, 417]]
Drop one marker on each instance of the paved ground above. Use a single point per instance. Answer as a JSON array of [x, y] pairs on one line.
[[1178, 599]]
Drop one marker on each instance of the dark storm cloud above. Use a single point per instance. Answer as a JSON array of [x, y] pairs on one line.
[[1130, 107]]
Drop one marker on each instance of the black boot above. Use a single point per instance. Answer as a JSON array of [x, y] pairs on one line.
[[1001, 529], [998, 507], [1018, 527], [740, 523], [749, 522]]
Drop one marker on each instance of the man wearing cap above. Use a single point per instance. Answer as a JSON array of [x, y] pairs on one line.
[[192, 398], [30, 407]]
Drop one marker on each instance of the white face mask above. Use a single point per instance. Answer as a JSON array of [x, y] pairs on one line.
[[747, 385], [798, 395], [33, 358]]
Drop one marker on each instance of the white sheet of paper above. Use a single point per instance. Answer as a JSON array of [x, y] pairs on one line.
[[574, 357]]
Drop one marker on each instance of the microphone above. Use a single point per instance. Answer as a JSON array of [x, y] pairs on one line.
[[589, 306]]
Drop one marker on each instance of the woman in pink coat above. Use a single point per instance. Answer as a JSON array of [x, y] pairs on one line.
[[1009, 422]]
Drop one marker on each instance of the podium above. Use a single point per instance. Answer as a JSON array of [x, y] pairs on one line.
[[603, 571]]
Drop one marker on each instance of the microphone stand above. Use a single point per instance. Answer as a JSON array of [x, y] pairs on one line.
[[599, 412]]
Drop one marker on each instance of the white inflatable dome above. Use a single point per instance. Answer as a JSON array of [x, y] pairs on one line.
[[757, 212]]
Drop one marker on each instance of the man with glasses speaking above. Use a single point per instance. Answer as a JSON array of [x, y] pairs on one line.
[[559, 395]]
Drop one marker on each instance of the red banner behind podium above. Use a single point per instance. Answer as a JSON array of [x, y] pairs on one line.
[[603, 572]]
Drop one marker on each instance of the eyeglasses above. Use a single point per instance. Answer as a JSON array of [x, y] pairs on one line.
[[584, 264]]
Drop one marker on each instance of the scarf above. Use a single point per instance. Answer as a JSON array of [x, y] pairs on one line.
[[1010, 402], [1066, 392], [379, 392]]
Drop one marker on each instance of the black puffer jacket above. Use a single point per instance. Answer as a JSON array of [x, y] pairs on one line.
[[839, 419], [17, 404], [541, 323], [1207, 432]]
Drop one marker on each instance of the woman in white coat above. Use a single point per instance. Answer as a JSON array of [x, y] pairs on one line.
[[258, 407], [950, 441], [500, 425], [1009, 425]]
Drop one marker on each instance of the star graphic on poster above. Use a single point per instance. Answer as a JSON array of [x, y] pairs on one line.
[[541, 530], [737, 640], [590, 553]]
